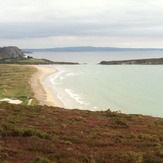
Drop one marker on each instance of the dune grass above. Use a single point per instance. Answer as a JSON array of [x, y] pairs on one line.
[[14, 82]]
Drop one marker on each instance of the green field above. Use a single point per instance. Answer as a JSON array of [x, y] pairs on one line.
[[25, 61], [14, 82]]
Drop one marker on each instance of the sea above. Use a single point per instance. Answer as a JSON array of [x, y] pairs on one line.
[[131, 89]]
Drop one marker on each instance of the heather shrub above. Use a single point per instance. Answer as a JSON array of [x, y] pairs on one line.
[[121, 122], [150, 158], [41, 160]]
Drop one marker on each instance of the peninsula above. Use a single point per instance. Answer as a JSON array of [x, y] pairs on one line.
[[152, 61]]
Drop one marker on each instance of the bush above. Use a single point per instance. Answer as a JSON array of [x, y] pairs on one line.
[[121, 122], [129, 157], [148, 137], [10, 130], [41, 160], [150, 158]]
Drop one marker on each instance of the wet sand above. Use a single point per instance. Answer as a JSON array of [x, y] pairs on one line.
[[41, 92]]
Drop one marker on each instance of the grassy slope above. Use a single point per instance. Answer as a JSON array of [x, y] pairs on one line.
[[60, 135], [26, 61], [14, 82], [44, 134]]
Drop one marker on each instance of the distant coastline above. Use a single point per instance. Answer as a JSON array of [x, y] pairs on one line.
[[89, 49]]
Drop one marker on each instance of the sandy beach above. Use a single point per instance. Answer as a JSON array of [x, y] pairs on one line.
[[41, 92]]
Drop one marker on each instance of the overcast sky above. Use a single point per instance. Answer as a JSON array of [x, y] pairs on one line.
[[59, 23]]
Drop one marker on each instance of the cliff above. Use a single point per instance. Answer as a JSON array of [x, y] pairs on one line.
[[152, 61], [11, 52]]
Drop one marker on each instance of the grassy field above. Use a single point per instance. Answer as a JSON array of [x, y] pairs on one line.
[[14, 82], [42, 134], [25, 61]]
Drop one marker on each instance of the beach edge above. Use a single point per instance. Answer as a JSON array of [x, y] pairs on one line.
[[41, 91]]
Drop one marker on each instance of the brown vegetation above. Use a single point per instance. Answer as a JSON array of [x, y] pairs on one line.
[[43, 134]]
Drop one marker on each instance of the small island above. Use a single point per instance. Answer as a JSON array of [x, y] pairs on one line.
[[151, 61]]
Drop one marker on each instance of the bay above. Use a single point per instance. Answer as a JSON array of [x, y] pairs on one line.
[[135, 89]]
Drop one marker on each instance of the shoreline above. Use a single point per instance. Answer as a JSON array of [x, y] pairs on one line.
[[41, 91]]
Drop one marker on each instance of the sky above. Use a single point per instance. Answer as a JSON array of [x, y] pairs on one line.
[[62, 23]]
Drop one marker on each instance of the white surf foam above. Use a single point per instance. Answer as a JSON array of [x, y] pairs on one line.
[[70, 74], [76, 97]]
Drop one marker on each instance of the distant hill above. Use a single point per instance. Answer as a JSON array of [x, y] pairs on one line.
[[89, 49], [11, 52], [152, 61]]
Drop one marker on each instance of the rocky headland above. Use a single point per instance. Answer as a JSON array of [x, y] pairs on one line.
[[11, 52]]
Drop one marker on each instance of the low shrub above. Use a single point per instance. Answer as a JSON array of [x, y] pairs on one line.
[[41, 160], [121, 122], [10, 130]]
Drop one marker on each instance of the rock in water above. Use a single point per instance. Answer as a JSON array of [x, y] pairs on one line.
[[11, 52]]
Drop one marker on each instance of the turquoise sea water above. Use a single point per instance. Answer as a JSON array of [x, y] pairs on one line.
[[136, 89], [131, 89]]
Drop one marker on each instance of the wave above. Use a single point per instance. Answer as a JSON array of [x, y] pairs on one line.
[[76, 97], [70, 74]]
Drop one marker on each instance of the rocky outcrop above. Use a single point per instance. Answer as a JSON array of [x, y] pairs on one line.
[[11, 52], [152, 61]]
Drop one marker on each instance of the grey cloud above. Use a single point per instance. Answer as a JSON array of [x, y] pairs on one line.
[[77, 28], [105, 18]]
